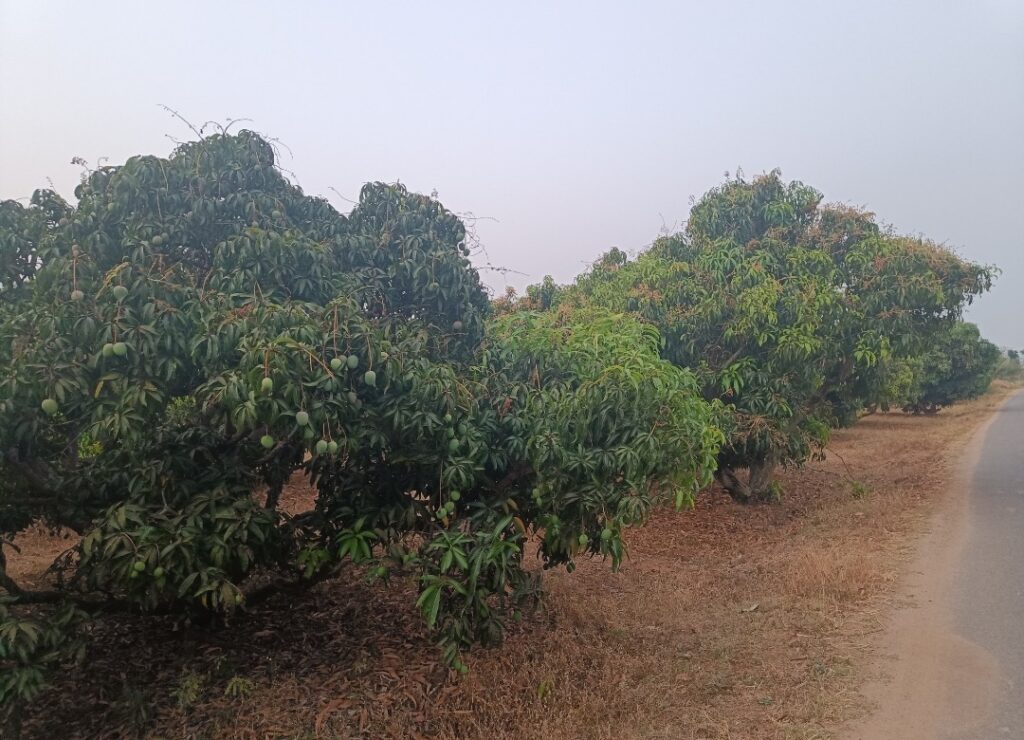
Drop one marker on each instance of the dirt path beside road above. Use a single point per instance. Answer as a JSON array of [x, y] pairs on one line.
[[955, 650]]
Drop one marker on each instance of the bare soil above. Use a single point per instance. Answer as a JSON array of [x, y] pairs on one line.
[[727, 622]]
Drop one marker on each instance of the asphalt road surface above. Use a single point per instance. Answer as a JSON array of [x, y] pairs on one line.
[[955, 655], [987, 594]]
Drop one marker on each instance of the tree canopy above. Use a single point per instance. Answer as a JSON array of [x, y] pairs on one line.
[[959, 365], [196, 331], [786, 309]]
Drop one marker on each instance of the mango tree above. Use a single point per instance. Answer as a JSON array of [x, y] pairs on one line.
[[959, 365], [196, 331], [786, 310]]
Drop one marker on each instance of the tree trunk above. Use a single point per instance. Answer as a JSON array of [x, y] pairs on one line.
[[757, 488], [274, 494]]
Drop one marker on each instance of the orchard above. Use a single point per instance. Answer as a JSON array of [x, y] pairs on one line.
[[195, 332]]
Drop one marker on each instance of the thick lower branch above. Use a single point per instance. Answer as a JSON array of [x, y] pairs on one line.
[[274, 495], [279, 585], [28, 596], [36, 479], [758, 486], [513, 476]]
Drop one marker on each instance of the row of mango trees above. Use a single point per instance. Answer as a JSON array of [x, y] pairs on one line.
[[196, 331]]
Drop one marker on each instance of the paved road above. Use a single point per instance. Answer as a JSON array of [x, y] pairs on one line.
[[987, 592], [955, 651]]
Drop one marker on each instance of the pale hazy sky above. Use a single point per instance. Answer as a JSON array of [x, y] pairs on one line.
[[574, 126]]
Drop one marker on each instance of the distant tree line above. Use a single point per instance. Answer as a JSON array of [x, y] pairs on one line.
[[795, 316]]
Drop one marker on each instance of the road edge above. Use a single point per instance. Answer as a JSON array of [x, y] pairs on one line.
[[919, 649]]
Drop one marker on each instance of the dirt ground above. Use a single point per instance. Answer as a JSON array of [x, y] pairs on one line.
[[727, 622]]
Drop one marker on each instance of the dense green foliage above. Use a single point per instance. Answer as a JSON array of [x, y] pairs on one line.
[[196, 331], [793, 313], [1009, 367], [959, 365]]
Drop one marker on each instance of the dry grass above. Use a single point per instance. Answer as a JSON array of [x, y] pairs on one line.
[[37, 547], [726, 622]]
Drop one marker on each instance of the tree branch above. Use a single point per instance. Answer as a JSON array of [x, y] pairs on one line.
[[513, 476], [35, 478], [11, 586], [278, 585]]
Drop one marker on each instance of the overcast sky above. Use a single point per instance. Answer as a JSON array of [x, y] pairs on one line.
[[572, 127]]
